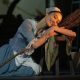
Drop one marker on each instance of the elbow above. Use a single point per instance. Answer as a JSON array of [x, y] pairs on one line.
[[74, 34]]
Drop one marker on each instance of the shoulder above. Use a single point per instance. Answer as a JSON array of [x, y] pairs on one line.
[[28, 24], [31, 21]]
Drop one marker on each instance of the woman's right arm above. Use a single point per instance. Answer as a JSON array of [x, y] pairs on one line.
[[47, 34]]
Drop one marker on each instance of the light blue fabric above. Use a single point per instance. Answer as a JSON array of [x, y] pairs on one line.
[[21, 39]]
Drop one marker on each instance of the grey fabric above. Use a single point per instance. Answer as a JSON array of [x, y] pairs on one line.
[[51, 52]]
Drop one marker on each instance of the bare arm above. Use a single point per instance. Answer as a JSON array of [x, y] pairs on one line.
[[64, 31], [47, 34]]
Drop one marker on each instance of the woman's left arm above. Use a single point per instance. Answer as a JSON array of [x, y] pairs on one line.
[[64, 31]]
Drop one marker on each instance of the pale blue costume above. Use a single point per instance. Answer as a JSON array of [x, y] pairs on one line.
[[22, 65]]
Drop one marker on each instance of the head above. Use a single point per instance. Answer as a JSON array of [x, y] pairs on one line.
[[54, 16]]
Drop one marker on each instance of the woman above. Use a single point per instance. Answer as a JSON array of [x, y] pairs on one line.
[[25, 37], [52, 46]]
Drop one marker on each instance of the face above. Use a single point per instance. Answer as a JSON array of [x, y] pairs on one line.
[[53, 19]]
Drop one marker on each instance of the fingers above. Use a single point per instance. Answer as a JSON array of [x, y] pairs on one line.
[[51, 32]]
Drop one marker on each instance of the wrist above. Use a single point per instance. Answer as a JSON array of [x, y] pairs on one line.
[[56, 28], [47, 35]]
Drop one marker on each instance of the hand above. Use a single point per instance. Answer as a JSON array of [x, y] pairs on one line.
[[50, 32], [55, 28]]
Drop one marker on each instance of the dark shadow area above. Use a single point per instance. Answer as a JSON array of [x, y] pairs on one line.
[[9, 24]]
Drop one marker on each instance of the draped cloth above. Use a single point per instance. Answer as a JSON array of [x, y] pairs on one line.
[[51, 52]]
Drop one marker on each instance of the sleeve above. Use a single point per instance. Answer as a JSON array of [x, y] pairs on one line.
[[29, 49], [26, 29], [24, 36]]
